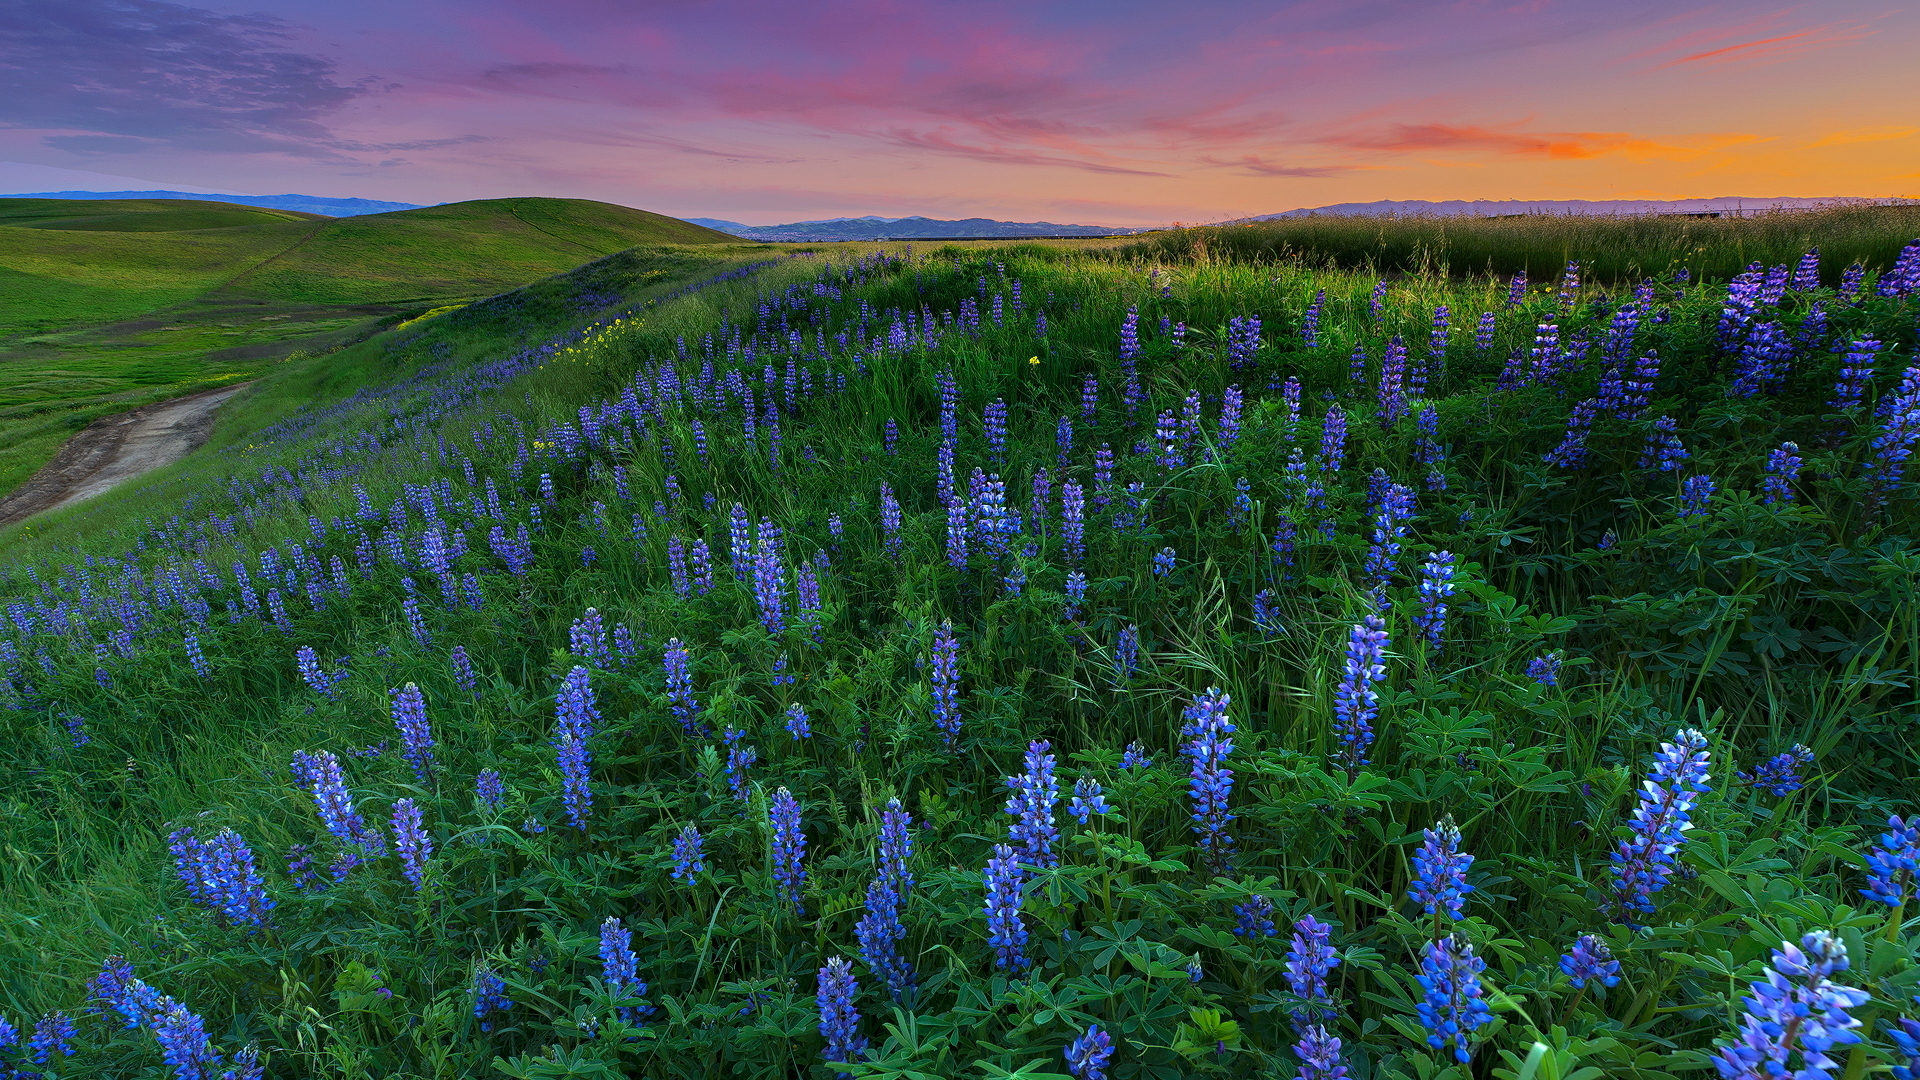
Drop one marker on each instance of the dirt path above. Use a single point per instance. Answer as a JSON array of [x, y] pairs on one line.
[[115, 449]]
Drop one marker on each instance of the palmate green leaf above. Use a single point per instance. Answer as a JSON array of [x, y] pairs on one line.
[[1032, 1070]]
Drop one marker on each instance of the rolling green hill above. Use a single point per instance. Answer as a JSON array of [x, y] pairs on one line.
[[112, 303]]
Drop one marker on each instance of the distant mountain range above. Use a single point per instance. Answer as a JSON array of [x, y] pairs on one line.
[[904, 228], [1726, 204], [310, 204]]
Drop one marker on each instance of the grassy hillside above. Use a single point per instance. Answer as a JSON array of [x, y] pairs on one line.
[[107, 304], [934, 664]]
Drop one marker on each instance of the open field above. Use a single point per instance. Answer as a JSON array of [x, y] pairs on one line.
[[111, 304], [1610, 249], [720, 662]]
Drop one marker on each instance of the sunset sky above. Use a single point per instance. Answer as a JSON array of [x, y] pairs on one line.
[[1113, 112]]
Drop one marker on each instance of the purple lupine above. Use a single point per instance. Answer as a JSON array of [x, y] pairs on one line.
[[184, 1045], [684, 706], [416, 735], [770, 577], [1231, 403], [1696, 494], [1034, 794], [1483, 334], [1089, 397], [1452, 1003], [489, 996], [1135, 757], [1643, 862], [1590, 961], [1893, 446], [411, 841], [195, 658], [463, 670], [1319, 1053], [677, 567], [1163, 562], [839, 1018], [1130, 336], [1076, 594], [1266, 614], [1855, 371], [1254, 917], [53, 1034], [1783, 467], [1517, 289], [993, 423], [620, 969], [1377, 303], [789, 848], [740, 758], [1088, 799], [739, 533], [798, 725], [1440, 872], [1779, 775], [957, 529], [1572, 451], [1545, 669], [1333, 439], [409, 609], [576, 715], [1290, 397], [320, 774], [221, 873], [688, 858], [1309, 960], [489, 791], [1391, 393], [1893, 863], [946, 683], [1355, 702], [882, 928], [1126, 654], [1166, 433], [1005, 932], [890, 521], [321, 680], [1389, 530], [1073, 520], [1310, 320], [587, 637], [1102, 475], [1436, 584], [1663, 451], [1210, 740], [1797, 1009], [1089, 1054], [700, 560]]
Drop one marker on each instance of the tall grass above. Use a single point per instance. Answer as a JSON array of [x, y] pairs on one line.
[[1609, 249]]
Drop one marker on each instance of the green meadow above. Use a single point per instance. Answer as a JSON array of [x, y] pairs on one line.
[[111, 304]]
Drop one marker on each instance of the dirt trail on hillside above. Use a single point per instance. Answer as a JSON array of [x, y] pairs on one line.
[[115, 449]]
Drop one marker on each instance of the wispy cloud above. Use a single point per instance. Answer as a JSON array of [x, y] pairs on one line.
[[940, 142], [1559, 145], [1254, 165], [1863, 135]]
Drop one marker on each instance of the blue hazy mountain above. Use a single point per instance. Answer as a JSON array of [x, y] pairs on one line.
[[310, 204], [1503, 207], [903, 228]]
